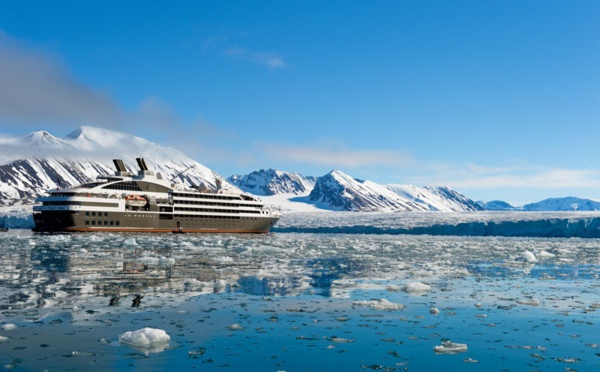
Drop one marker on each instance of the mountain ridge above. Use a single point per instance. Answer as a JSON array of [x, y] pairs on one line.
[[40, 161], [82, 156]]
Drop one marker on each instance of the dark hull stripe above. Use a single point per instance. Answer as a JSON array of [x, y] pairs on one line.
[[152, 230]]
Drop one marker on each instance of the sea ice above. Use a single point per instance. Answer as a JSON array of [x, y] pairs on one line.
[[448, 347], [166, 261], [3, 338], [341, 340], [527, 256], [392, 288], [8, 326], [145, 337], [236, 327], [381, 304], [416, 288], [130, 241], [529, 302], [544, 254]]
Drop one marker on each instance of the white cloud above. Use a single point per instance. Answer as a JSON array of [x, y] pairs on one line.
[[37, 91], [36, 88], [546, 179], [270, 60]]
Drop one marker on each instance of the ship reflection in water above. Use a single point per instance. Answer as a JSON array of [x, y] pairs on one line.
[[84, 301]]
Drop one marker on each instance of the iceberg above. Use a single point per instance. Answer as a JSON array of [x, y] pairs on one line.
[[148, 340]]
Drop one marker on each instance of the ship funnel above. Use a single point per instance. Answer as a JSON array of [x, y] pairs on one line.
[[119, 165], [142, 164], [143, 168], [121, 170]]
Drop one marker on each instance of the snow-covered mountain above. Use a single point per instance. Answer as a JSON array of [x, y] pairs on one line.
[[338, 191], [45, 162], [273, 182], [436, 198], [496, 205], [563, 204], [31, 165]]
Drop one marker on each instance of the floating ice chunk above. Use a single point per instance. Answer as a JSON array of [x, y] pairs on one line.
[[544, 254], [434, 311], [448, 347], [166, 261], [236, 327], [341, 340], [223, 260], [130, 241], [382, 304], [3, 338], [146, 260], [416, 288], [8, 327], [192, 283], [527, 256], [220, 285], [392, 288], [145, 337], [529, 302]]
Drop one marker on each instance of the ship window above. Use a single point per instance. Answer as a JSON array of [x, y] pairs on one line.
[[126, 185], [87, 222], [93, 222], [112, 223], [94, 214], [105, 214], [117, 223], [87, 213]]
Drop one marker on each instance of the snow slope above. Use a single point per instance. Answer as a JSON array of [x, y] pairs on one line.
[[441, 199], [337, 191], [563, 204], [82, 156], [496, 205], [273, 182]]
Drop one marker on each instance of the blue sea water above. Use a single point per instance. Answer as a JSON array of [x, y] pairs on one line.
[[299, 302]]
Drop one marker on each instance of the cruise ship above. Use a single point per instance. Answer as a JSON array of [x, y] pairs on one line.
[[147, 202]]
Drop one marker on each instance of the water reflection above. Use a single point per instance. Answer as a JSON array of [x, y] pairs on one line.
[[49, 270], [351, 301]]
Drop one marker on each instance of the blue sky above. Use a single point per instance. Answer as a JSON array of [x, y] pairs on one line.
[[497, 99]]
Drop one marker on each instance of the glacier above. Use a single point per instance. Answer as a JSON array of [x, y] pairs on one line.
[[506, 224]]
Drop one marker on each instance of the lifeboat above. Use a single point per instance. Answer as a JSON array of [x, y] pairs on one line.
[[135, 201]]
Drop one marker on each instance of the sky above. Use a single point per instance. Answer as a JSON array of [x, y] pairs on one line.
[[496, 99]]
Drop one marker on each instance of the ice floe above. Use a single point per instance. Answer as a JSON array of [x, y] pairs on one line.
[[149, 340], [528, 256], [381, 304], [416, 288], [448, 347]]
